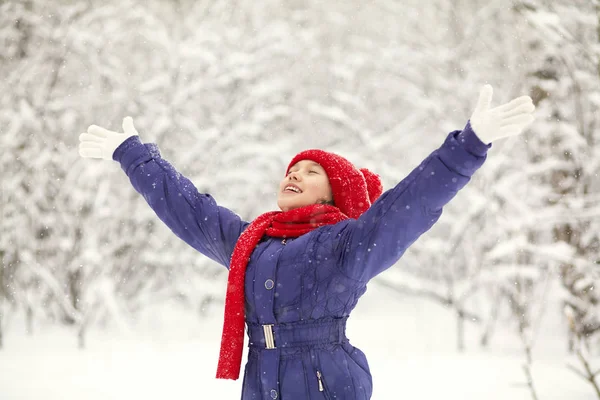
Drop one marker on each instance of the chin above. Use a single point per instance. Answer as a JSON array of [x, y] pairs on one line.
[[283, 205], [289, 205]]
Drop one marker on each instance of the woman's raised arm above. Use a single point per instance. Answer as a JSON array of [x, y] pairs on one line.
[[194, 217], [377, 239]]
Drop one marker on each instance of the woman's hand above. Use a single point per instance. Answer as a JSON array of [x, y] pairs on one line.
[[98, 142], [509, 119]]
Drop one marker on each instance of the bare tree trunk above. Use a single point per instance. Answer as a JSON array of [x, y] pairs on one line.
[[519, 306], [75, 292], [75, 288], [528, 364], [29, 320], [460, 330], [589, 375], [81, 336], [491, 323]]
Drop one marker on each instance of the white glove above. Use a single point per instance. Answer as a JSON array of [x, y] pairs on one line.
[[98, 142], [509, 119]]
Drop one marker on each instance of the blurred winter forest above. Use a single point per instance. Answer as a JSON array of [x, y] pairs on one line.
[[231, 90]]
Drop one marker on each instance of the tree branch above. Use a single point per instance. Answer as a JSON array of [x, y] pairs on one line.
[[447, 301]]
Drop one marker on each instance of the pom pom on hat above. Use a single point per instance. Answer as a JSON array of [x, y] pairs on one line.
[[374, 187], [353, 190]]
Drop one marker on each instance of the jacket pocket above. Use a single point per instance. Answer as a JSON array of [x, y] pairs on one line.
[[318, 376]]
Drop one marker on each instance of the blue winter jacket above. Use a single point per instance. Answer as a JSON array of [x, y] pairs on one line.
[[300, 292]]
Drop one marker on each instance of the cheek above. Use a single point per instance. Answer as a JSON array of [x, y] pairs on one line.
[[320, 189]]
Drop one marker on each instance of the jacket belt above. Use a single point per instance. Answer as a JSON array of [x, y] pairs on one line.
[[298, 334]]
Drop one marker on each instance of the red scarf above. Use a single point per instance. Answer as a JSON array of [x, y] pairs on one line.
[[275, 224]]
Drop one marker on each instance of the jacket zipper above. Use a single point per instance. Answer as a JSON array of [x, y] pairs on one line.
[[319, 376]]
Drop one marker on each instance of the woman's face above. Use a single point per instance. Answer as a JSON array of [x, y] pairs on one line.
[[306, 183]]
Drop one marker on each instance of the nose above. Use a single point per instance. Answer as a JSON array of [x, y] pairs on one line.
[[293, 176]]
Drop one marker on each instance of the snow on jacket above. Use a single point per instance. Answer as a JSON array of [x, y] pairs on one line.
[[300, 292]]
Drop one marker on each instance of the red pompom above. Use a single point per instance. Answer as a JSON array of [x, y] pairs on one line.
[[374, 186]]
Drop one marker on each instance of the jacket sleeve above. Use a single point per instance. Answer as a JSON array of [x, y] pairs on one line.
[[376, 240], [193, 217]]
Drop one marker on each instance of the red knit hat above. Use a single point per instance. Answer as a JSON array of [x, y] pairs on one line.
[[353, 189]]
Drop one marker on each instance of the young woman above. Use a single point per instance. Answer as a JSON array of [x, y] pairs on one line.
[[296, 274]]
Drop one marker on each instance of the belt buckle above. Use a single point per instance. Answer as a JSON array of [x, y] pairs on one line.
[[269, 338]]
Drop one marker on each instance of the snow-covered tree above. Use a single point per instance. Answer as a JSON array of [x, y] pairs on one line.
[[231, 93]]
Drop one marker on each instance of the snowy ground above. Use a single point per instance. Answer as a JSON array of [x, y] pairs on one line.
[[412, 357]]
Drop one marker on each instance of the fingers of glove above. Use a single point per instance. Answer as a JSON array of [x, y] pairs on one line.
[[525, 108], [90, 145], [520, 120], [90, 152], [128, 127], [99, 131], [515, 103], [485, 98], [87, 137], [512, 130]]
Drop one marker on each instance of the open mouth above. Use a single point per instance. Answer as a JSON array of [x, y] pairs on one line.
[[292, 189]]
